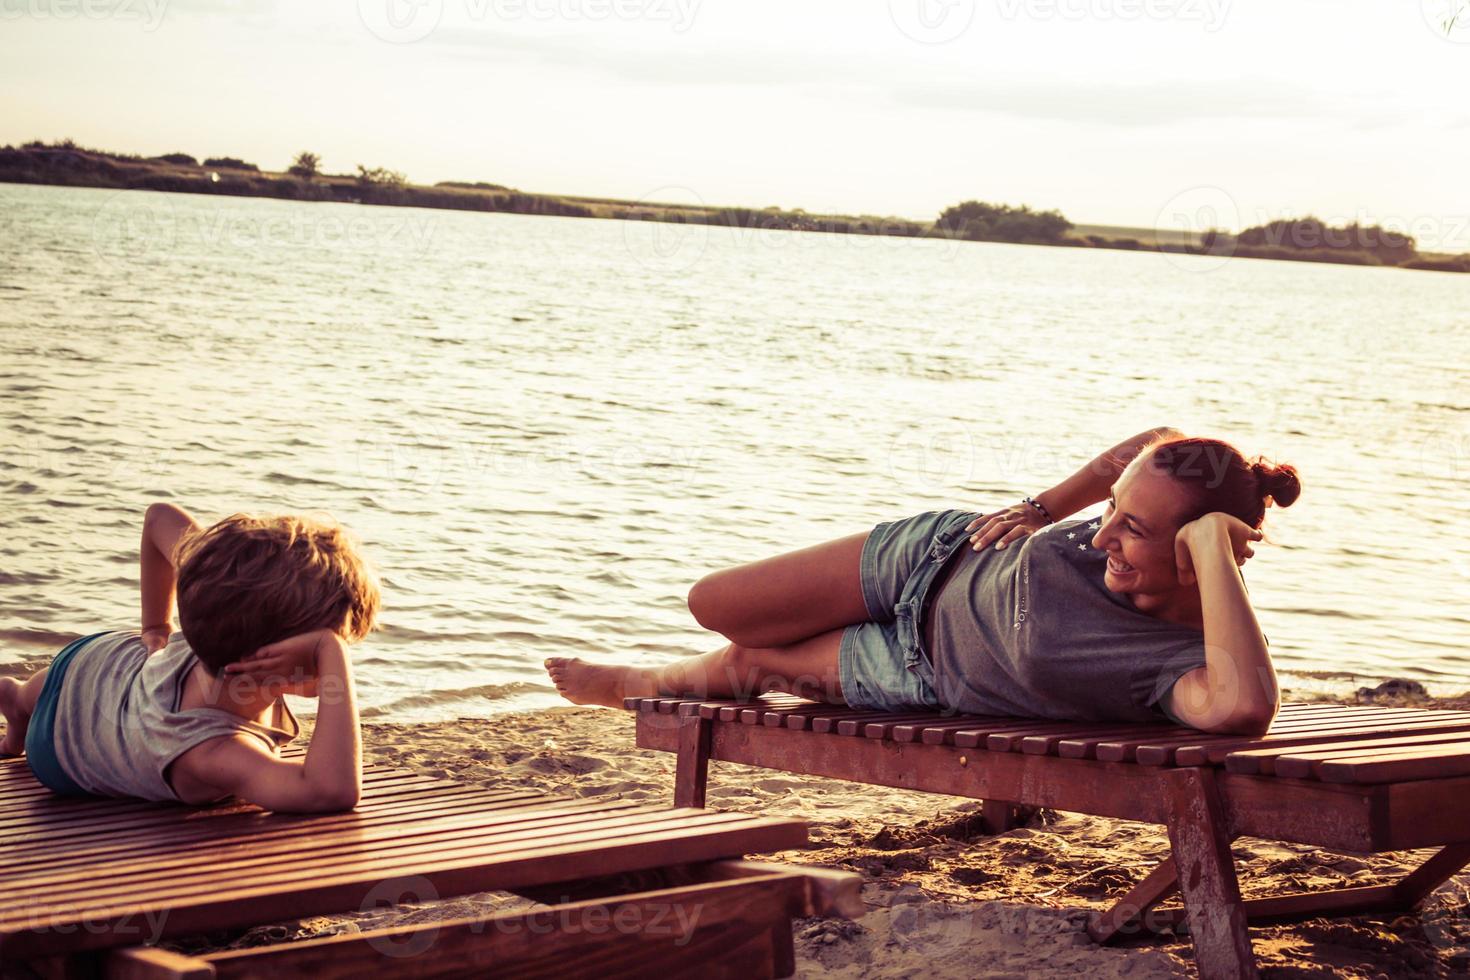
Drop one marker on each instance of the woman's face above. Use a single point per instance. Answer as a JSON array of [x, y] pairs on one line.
[[1138, 531]]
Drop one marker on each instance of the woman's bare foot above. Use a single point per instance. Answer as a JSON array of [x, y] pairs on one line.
[[17, 719], [581, 682]]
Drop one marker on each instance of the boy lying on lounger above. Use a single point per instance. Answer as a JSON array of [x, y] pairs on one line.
[[1139, 615], [267, 606]]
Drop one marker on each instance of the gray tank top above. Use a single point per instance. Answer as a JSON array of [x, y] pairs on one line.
[[1032, 631], [118, 723]]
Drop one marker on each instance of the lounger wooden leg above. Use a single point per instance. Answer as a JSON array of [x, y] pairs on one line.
[[998, 816], [1161, 882], [1414, 887], [1200, 837], [692, 771]]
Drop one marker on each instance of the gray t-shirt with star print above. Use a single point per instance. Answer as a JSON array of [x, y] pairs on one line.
[[1032, 631]]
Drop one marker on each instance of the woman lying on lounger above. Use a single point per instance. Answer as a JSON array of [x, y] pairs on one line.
[[1140, 615]]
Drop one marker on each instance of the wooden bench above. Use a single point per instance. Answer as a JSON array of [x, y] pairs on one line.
[[1358, 779], [630, 888]]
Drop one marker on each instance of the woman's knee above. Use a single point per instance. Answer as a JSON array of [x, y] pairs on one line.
[[709, 603]]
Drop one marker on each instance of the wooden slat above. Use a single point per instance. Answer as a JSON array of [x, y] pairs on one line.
[[736, 927], [256, 826], [880, 727], [1296, 762], [1391, 767], [284, 841], [1215, 751], [217, 815], [237, 859], [50, 810], [450, 873], [795, 718], [485, 849], [1212, 749], [1049, 744]]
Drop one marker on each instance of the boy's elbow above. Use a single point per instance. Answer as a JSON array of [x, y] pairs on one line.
[[347, 800], [1253, 724], [340, 797]]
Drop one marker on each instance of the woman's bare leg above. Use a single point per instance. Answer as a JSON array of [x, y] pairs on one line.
[[18, 703], [807, 668], [777, 602]]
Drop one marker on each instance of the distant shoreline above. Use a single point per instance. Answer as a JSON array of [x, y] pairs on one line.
[[67, 165]]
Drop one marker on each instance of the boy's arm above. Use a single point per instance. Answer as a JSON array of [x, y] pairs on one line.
[[163, 526], [330, 777]]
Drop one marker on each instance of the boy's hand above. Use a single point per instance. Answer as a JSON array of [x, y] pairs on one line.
[[293, 659], [155, 638]]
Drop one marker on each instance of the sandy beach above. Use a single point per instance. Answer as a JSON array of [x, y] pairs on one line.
[[944, 900]]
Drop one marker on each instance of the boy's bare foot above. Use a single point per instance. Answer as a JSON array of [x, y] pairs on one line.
[[581, 682], [16, 719]]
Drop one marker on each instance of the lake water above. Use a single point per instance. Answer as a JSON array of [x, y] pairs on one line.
[[546, 429]]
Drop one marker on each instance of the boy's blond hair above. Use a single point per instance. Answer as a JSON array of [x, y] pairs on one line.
[[252, 580]]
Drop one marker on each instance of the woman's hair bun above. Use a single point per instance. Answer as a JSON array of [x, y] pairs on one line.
[[1280, 483]]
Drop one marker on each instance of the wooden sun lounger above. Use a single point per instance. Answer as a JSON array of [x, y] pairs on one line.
[[1358, 779], [629, 888]]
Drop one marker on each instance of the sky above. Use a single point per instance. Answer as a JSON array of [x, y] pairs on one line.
[[1175, 114]]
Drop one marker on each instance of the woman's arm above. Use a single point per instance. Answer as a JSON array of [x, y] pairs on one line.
[[163, 526], [1235, 692], [1090, 484]]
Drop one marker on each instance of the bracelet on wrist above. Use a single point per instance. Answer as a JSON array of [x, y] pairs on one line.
[[1040, 508], [158, 626]]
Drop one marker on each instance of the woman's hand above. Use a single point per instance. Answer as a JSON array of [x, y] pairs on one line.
[[1004, 526], [293, 660], [1216, 529]]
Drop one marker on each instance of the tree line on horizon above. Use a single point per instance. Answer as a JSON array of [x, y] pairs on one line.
[[1299, 239]]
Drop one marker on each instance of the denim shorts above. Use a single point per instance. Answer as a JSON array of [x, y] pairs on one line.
[[881, 663]]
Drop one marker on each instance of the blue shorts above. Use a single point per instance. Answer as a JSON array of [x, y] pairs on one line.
[[881, 663], [41, 735]]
